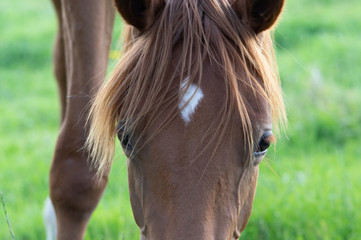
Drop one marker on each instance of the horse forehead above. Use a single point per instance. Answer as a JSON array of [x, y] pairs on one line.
[[195, 98], [191, 97], [208, 98]]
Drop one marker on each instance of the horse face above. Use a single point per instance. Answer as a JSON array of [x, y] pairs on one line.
[[180, 188], [183, 182]]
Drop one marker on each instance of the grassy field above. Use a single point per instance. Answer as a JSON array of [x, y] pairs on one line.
[[315, 191]]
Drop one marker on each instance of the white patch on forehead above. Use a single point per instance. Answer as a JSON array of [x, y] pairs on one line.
[[190, 101]]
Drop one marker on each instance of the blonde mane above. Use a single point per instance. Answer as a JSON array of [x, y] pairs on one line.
[[204, 29]]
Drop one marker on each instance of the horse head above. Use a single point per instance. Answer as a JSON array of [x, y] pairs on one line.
[[192, 101]]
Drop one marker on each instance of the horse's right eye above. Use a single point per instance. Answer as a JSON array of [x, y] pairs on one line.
[[124, 139], [126, 143]]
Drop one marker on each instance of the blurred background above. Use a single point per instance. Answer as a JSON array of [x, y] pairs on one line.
[[309, 188]]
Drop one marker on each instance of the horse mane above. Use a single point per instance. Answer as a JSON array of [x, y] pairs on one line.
[[205, 29]]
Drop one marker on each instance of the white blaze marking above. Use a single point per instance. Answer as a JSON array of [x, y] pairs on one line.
[[190, 100], [49, 220]]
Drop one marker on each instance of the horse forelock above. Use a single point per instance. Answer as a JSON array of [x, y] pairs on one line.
[[141, 85]]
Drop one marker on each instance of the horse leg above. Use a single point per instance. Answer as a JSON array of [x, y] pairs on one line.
[[60, 75], [83, 48], [59, 60]]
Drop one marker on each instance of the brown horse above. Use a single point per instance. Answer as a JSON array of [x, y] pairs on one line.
[[192, 101]]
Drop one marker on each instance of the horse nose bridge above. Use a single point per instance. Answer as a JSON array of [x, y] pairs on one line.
[[196, 201], [191, 228], [198, 217]]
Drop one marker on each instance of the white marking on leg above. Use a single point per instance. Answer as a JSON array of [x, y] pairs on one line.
[[49, 220], [190, 101]]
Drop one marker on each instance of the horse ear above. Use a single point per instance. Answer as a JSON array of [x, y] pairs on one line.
[[259, 14], [139, 13]]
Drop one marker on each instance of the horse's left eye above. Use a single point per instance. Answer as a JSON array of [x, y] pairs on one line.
[[263, 144]]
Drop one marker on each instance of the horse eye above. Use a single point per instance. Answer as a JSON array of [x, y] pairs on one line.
[[126, 143], [124, 138], [263, 144]]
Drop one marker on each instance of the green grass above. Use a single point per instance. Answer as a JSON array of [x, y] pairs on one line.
[[315, 193]]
